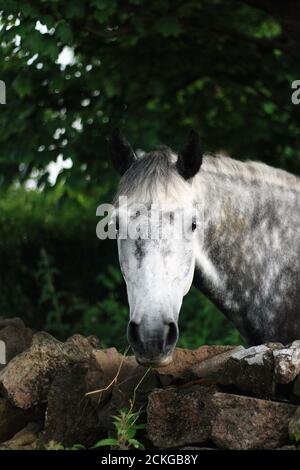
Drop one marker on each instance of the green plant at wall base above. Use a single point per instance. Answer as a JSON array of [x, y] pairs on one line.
[[76, 447], [296, 436], [126, 427], [57, 446]]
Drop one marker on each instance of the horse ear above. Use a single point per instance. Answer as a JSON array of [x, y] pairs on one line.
[[190, 158], [121, 153]]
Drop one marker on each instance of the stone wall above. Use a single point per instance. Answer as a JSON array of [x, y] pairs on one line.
[[213, 397]]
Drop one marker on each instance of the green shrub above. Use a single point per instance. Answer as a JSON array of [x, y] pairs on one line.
[[57, 276]]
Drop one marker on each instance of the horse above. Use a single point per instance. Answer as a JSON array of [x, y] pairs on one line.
[[242, 250]]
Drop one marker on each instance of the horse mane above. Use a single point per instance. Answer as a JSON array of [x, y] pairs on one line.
[[249, 171], [153, 177]]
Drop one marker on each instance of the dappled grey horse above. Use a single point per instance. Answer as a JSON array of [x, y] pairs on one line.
[[242, 250]]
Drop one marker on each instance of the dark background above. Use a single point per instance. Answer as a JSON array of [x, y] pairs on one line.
[[154, 69]]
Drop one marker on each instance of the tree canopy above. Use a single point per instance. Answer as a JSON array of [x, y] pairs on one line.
[[152, 68]]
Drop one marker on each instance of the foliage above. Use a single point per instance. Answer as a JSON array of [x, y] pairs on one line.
[[41, 275], [200, 322], [32, 223], [68, 314], [155, 69], [126, 426], [296, 436], [52, 445], [46, 274]]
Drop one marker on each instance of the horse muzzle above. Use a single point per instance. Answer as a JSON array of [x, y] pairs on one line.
[[158, 362], [153, 343]]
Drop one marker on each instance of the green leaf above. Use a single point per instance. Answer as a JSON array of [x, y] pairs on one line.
[[74, 9], [296, 436], [22, 86], [131, 432], [105, 442], [64, 32], [168, 26], [140, 426], [77, 447], [135, 443]]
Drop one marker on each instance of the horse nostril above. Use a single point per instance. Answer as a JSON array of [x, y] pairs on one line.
[[133, 334], [172, 334], [151, 341]]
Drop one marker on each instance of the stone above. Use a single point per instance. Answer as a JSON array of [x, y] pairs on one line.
[[249, 370], [198, 448], [249, 423], [12, 419], [296, 387], [180, 416], [17, 322], [185, 360], [287, 363], [287, 447], [113, 380], [104, 366], [107, 363], [85, 344], [25, 381], [197, 414], [70, 416], [26, 439], [16, 338], [211, 366], [294, 426], [193, 403]]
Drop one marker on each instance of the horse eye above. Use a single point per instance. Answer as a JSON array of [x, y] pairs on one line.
[[194, 225]]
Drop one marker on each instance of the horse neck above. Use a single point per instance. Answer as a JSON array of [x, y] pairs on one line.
[[244, 240], [227, 210]]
